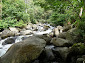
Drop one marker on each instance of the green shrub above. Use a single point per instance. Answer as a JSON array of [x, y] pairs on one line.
[[14, 9], [57, 18], [35, 13], [81, 29]]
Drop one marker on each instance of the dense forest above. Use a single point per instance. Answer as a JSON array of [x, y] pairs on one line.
[[57, 13]]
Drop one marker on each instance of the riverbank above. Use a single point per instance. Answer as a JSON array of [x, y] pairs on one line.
[[41, 43]]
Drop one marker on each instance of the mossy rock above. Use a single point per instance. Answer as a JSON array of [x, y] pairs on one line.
[[72, 35], [78, 48]]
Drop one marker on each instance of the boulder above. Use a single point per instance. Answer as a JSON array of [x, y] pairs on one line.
[[26, 32], [29, 27], [7, 33], [51, 34], [25, 51], [72, 35], [62, 35], [63, 52], [80, 60], [66, 28], [0, 60], [49, 54], [34, 27], [46, 27], [45, 37], [83, 56], [56, 32], [60, 42], [9, 41], [60, 28], [13, 29]]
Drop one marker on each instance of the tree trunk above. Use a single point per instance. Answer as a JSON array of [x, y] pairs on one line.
[[81, 10]]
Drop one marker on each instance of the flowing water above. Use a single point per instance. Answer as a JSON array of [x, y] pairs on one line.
[[4, 48]]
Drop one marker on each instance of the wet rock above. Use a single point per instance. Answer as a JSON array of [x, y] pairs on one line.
[[13, 29], [60, 42], [63, 52], [80, 60], [49, 54], [0, 60], [66, 28], [26, 32], [45, 37], [72, 35], [56, 32], [46, 56], [9, 41], [62, 35], [83, 56], [29, 27], [23, 38], [51, 34], [46, 27], [36, 61], [24, 51], [7, 33], [34, 27], [60, 28]]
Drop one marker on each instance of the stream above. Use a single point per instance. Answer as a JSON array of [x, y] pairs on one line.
[[4, 46]]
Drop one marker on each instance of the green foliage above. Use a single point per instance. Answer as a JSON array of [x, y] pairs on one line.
[[81, 26], [13, 12], [11, 23], [35, 13], [62, 11], [57, 18], [81, 29], [78, 48]]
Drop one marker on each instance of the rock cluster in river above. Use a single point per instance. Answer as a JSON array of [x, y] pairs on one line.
[[46, 45]]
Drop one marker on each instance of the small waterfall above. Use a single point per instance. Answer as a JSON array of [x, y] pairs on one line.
[[4, 48]]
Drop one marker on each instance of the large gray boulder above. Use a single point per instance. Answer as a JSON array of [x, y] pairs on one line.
[[60, 42], [45, 37], [24, 51]]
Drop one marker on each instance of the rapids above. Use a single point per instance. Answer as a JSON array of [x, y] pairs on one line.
[[4, 48]]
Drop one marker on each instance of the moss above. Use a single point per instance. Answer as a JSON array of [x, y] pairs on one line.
[[79, 48], [28, 53]]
